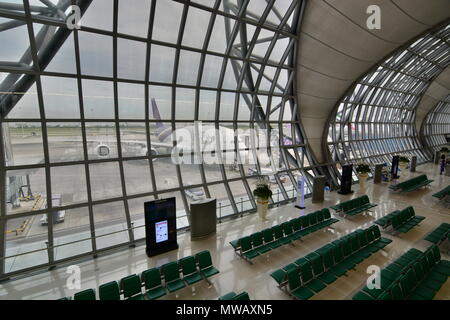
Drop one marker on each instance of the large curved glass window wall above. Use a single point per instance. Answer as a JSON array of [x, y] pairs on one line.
[[375, 118], [89, 114], [436, 127]]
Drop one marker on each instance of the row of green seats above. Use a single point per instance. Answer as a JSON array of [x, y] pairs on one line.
[[310, 274], [443, 193], [354, 206], [386, 221], [235, 296], [252, 246], [400, 220], [412, 184], [439, 234], [405, 220], [193, 268], [415, 275]]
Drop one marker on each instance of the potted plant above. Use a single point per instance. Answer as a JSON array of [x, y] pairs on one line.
[[403, 162], [262, 194], [363, 170]]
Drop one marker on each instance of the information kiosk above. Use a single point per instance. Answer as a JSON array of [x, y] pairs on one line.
[[160, 226]]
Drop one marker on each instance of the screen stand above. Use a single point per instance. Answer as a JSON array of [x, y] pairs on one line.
[[151, 252]]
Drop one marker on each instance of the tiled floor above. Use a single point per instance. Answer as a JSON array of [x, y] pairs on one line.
[[238, 275]]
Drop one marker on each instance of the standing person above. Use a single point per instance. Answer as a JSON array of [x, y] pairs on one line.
[[442, 164]]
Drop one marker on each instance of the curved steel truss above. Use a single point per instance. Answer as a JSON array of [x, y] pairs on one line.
[[436, 126], [375, 118]]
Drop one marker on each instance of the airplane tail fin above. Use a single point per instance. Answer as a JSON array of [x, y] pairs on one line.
[[161, 129]]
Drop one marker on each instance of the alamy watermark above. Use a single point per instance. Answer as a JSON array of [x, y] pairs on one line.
[[208, 144], [374, 20], [73, 19], [374, 280], [74, 280]]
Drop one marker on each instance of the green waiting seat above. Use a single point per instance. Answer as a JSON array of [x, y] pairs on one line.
[[132, 287], [258, 243], [172, 278], [88, 294], [318, 268], [228, 296], [412, 184], [416, 276], [247, 250], [206, 267], [243, 296], [308, 279], [443, 193], [109, 291], [439, 234], [322, 267], [295, 287], [153, 285], [190, 272], [354, 206], [386, 221]]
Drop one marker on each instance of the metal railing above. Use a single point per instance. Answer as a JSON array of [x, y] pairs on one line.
[[244, 204]]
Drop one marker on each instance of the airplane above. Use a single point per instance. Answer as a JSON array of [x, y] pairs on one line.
[[184, 138]]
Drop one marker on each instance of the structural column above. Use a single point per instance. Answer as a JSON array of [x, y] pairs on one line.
[[377, 174]]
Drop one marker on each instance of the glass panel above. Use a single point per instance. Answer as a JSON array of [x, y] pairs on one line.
[[185, 107], [64, 60], [101, 140], [207, 107], [161, 63], [27, 105], [98, 15], [240, 196], [133, 19], [136, 207], [161, 107], [167, 29], [26, 143], [211, 71], [25, 190], [98, 99], [131, 57], [110, 224], [65, 141], [23, 236], [218, 42], [96, 54], [131, 99], [137, 176], [133, 139], [224, 207], [14, 41], [74, 228], [165, 174], [68, 185], [195, 29], [188, 67], [105, 180], [60, 98]]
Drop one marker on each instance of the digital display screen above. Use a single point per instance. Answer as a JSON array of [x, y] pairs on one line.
[[160, 226], [161, 231]]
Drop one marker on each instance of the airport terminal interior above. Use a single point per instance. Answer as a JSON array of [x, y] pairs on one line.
[[225, 149]]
